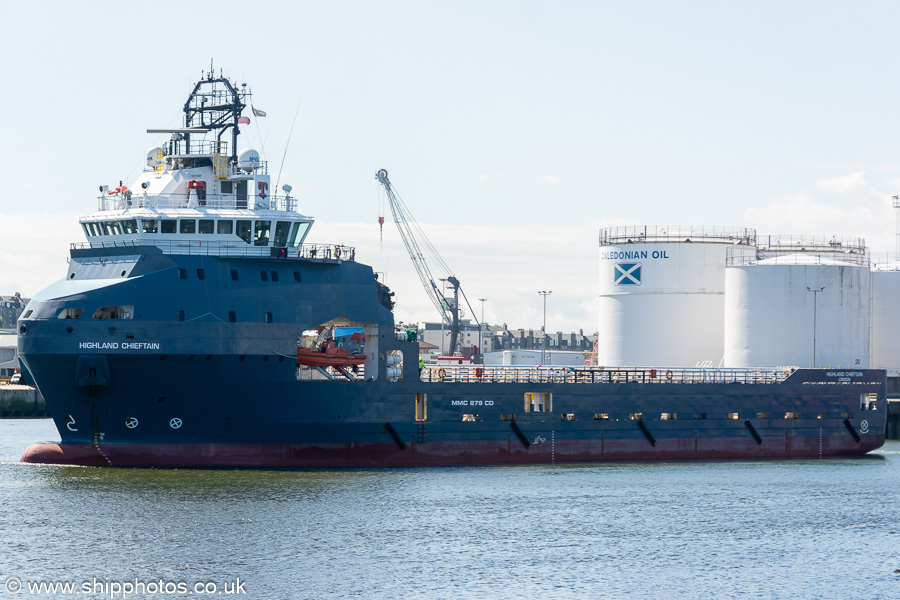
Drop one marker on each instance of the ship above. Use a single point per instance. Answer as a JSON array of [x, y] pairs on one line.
[[179, 337]]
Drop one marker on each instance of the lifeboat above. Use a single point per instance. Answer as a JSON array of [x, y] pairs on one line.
[[328, 356]]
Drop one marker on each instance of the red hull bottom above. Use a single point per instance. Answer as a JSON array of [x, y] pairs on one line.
[[433, 453]]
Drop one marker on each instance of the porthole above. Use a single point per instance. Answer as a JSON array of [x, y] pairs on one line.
[[123, 273], [23, 330], [72, 276], [69, 330]]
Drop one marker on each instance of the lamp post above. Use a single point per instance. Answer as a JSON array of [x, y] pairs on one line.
[[815, 293], [481, 328], [544, 327]]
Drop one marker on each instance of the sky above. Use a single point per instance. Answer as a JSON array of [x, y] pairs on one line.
[[513, 130]]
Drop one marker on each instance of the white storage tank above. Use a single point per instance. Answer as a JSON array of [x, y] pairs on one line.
[[886, 316], [800, 305], [662, 294]]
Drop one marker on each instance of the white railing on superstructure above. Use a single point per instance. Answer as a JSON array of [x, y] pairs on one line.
[[213, 201], [234, 249], [673, 234]]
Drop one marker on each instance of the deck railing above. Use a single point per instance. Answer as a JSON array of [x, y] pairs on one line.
[[323, 252], [600, 375]]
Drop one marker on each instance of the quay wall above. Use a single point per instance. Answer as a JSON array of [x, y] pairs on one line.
[[17, 401]]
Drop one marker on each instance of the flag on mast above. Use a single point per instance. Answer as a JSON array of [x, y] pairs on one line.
[[257, 112]]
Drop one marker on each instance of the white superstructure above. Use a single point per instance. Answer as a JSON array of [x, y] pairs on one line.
[[199, 195], [662, 293]]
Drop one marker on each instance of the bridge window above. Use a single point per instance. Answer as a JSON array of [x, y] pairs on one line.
[[297, 234], [206, 226], [225, 227], [601, 416], [111, 227], [791, 415], [243, 230], [70, 313], [91, 229], [188, 226], [668, 416], [129, 226], [114, 312], [168, 226], [150, 225], [261, 236], [281, 233]]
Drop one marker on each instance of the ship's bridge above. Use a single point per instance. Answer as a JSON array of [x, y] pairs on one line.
[[224, 232]]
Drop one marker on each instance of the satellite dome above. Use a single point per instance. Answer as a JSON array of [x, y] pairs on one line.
[[248, 159]]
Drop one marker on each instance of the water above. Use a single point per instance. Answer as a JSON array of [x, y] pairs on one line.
[[790, 529]]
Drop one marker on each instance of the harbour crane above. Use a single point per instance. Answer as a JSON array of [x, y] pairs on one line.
[[418, 245]]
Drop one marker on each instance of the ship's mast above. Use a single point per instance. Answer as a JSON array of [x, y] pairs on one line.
[[214, 104]]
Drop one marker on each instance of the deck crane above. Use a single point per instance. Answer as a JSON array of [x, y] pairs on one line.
[[416, 242]]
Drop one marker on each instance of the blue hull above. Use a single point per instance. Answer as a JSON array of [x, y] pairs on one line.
[[154, 390]]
